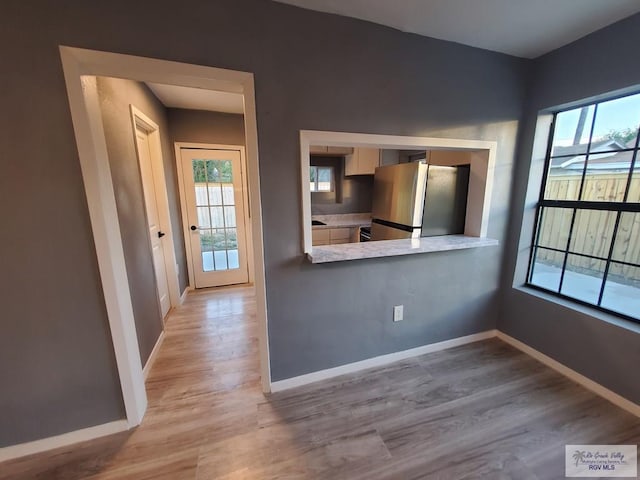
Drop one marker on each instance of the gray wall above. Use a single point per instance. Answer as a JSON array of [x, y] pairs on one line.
[[352, 194], [604, 351], [312, 71], [199, 126], [116, 96]]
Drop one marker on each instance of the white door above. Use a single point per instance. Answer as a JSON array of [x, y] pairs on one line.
[[216, 216], [155, 233]]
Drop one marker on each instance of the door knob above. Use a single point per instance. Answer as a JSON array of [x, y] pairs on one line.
[[194, 228], [161, 234]]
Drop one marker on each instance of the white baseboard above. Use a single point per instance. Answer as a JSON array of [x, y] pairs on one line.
[[379, 361], [587, 383], [183, 297], [64, 440], [152, 357]]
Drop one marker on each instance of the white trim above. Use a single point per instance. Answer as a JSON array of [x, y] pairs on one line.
[[379, 361], [183, 297], [255, 206], [96, 174], [184, 214], [183, 202], [64, 440], [140, 120], [152, 357], [571, 374], [480, 184], [79, 65]]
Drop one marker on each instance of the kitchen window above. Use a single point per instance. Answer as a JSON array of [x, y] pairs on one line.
[[586, 244], [321, 179]]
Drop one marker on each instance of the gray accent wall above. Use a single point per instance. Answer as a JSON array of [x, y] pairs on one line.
[[599, 346], [200, 126], [312, 71]]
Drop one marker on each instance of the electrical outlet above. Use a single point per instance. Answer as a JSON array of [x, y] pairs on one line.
[[398, 313]]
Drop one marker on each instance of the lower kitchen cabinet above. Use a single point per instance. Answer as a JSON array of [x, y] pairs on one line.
[[320, 236], [334, 236], [339, 235]]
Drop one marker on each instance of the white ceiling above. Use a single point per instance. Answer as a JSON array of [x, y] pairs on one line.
[[173, 96], [525, 28]]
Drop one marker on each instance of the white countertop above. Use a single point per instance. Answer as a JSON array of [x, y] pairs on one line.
[[390, 248], [346, 220]]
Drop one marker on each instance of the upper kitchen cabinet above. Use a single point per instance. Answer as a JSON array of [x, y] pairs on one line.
[[339, 150], [330, 151], [363, 161]]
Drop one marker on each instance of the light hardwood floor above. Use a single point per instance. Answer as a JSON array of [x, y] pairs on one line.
[[483, 410]]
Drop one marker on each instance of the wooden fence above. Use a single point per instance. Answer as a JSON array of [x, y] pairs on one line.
[[593, 229]]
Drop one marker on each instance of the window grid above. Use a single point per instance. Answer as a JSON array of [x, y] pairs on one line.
[[599, 152], [201, 169], [616, 207]]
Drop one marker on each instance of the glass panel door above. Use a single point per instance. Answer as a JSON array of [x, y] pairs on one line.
[[216, 207], [216, 216]]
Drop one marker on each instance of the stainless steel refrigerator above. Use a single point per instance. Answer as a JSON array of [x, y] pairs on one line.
[[411, 200]]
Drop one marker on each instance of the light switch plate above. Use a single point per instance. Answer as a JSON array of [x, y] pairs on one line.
[[398, 313]]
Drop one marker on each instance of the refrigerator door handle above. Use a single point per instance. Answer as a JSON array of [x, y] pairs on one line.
[[397, 226], [380, 230]]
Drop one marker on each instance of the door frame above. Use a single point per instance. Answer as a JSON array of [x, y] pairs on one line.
[[142, 121], [183, 202], [80, 66]]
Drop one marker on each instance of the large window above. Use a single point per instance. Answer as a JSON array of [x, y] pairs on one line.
[[586, 244]]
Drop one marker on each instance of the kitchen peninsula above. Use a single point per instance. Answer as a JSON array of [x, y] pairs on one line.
[[391, 248]]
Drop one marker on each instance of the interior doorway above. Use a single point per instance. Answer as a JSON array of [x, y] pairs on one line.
[[85, 110], [157, 210]]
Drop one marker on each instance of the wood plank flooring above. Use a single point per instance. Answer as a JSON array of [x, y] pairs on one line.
[[483, 410]]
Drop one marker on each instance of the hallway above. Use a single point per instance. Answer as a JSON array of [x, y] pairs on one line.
[[202, 389]]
